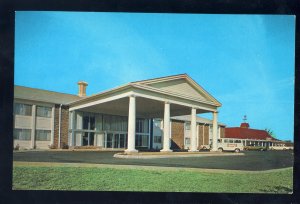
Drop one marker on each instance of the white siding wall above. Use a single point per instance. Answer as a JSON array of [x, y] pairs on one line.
[[43, 123], [178, 86], [23, 144], [42, 144], [22, 121], [157, 131]]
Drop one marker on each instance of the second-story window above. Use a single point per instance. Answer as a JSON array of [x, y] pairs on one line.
[[42, 111], [22, 109]]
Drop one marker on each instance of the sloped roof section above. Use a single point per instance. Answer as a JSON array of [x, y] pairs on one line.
[[180, 84], [21, 92], [245, 133]]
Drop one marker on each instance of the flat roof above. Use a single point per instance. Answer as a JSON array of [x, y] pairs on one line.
[[199, 119]]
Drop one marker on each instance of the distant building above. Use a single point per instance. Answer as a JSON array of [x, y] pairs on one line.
[[251, 136]]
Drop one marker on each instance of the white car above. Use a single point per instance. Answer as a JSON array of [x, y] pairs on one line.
[[281, 147]]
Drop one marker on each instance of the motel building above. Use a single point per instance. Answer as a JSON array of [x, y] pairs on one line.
[[158, 114], [250, 137]]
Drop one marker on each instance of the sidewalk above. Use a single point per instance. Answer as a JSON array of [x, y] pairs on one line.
[[152, 155]]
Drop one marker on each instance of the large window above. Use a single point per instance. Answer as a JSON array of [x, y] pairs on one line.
[[187, 141], [115, 123], [141, 140], [43, 135], [157, 123], [22, 134], [22, 109], [187, 125], [157, 139], [142, 126]]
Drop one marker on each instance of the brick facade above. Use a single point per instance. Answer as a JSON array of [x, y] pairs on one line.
[[206, 135], [201, 140], [177, 139], [64, 125]]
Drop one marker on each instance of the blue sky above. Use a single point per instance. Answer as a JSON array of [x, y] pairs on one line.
[[244, 61]]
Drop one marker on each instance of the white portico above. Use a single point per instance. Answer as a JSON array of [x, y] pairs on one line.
[[155, 98]]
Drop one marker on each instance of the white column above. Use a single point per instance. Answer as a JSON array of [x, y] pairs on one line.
[[166, 147], [131, 125], [215, 130], [33, 115], [52, 125], [193, 131]]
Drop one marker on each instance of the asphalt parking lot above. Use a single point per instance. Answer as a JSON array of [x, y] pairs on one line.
[[251, 161]]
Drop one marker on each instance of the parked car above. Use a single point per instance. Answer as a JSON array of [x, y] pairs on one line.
[[281, 147], [230, 145], [251, 147]]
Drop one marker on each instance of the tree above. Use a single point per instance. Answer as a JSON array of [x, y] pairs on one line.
[[270, 132]]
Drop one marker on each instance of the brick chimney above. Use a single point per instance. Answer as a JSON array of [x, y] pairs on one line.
[[82, 88]]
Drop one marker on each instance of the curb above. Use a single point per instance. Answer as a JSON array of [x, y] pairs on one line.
[[172, 155]]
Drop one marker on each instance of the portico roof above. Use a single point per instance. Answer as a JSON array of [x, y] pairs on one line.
[[180, 90]]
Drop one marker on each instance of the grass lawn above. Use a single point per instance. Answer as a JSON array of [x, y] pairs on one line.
[[151, 179]]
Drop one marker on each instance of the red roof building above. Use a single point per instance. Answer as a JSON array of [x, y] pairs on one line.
[[244, 132]]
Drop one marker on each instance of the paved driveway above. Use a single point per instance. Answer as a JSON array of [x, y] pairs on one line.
[[252, 161]]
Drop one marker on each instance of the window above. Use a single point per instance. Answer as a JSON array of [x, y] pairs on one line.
[[142, 126], [225, 141], [42, 111], [157, 123], [115, 123], [22, 109], [141, 140], [157, 139], [88, 122], [187, 141], [230, 141], [43, 135], [237, 141], [187, 126], [22, 134]]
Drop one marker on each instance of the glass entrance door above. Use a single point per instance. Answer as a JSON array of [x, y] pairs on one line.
[[85, 139], [109, 140], [116, 140], [122, 140]]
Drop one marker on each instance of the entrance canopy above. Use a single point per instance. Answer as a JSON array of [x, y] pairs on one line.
[[180, 91], [155, 98]]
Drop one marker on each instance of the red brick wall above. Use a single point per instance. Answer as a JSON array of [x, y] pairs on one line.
[[200, 135], [177, 138], [64, 125], [206, 135]]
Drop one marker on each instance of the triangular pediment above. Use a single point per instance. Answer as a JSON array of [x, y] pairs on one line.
[[181, 84]]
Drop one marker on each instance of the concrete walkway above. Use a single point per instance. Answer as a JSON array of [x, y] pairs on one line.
[[153, 155]]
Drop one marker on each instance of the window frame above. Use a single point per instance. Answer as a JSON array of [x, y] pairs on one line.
[[37, 136], [21, 130], [19, 109], [45, 110]]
